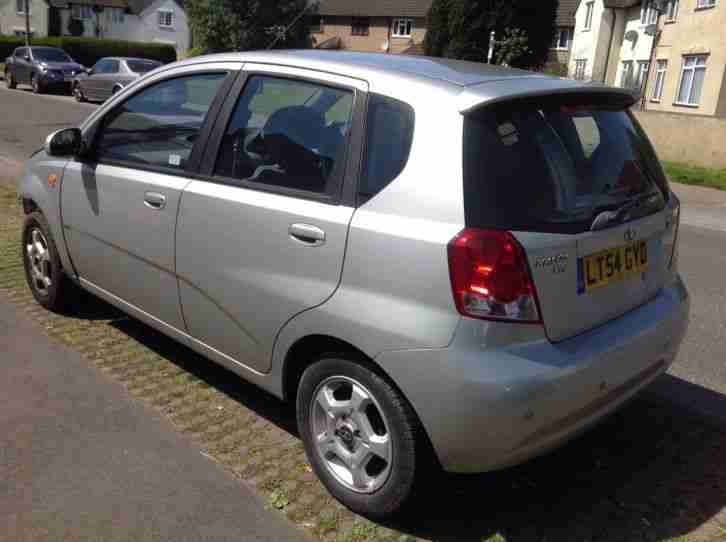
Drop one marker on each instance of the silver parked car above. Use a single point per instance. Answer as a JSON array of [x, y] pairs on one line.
[[440, 262], [108, 76]]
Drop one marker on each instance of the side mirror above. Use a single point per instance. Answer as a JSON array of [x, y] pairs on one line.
[[66, 142], [89, 71]]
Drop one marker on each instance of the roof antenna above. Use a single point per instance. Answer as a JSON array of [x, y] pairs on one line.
[[280, 31]]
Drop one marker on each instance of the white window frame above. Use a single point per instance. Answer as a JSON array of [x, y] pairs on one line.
[[402, 27], [627, 71], [661, 68], [580, 69], [671, 12], [705, 4], [163, 15], [694, 68], [589, 10], [21, 4], [648, 14], [557, 42], [642, 74]]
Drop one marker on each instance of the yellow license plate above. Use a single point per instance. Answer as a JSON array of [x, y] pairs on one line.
[[615, 264]]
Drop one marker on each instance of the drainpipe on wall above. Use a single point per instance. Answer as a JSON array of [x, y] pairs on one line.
[[651, 60], [610, 45], [27, 23]]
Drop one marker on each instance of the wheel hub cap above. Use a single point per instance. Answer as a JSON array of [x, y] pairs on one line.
[[351, 434], [39, 266]]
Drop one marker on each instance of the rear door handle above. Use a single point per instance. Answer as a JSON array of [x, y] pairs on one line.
[[154, 200], [307, 234]]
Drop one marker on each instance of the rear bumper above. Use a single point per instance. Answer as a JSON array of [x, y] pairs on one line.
[[486, 407]]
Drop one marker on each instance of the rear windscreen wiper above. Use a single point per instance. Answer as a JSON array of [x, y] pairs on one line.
[[606, 218]]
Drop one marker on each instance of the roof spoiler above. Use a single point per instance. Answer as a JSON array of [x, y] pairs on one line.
[[521, 88]]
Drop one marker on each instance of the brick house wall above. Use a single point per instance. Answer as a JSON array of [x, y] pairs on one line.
[[379, 31]]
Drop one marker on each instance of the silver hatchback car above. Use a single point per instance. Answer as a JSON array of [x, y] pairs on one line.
[[442, 263]]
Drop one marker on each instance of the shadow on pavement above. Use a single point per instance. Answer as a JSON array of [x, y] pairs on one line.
[[655, 470]]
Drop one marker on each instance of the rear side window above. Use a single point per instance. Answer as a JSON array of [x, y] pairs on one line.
[[555, 166], [20, 53], [388, 143], [288, 134], [142, 66]]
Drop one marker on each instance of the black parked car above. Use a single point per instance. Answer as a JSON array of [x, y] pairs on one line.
[[41, 68], [108, 76]]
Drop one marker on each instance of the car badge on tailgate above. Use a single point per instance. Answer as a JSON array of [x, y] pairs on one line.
[[558, 263]]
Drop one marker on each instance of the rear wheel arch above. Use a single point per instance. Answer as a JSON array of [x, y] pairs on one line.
[[306, 351]]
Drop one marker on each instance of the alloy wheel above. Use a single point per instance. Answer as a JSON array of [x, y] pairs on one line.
[[38, 255], [351, 434]]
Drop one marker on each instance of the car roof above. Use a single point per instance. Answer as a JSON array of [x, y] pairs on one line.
[[472, 83], [353, 64]]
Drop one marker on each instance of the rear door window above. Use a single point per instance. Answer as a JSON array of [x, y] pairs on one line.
[[388, 143], [288, 134], [557, 166]]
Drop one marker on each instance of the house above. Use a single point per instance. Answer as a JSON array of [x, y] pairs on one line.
[[12, 17], [689, 74], [613, 41], [390, 26], [562, 40], [160, 21]]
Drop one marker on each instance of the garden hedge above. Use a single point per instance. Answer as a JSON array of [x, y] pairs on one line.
[[88, 50]]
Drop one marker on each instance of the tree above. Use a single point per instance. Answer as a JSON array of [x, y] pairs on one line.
[[462, 28], [437, 36], [75, 27], [240, 25], [512, 47]]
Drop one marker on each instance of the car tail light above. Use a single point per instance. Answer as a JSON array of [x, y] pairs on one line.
[[670, 240], [490, 278]]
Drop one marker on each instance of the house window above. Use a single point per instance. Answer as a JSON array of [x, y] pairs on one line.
[[315, 25], [643, 66], [693, 74], [703, 4], [648, 14], [166, 18], [626, 74], [20, 7], [561, 40], [117, 15], [589, 7], [79, 11], [402, 28], [580, 66], [672, 10], [661, 67], [360, 26]]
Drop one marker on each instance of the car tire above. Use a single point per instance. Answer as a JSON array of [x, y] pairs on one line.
[[35, 84], [43, 269], [10, 80], [78, 93], [382, 485]]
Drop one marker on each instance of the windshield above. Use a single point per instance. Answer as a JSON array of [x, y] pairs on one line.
[[554, 166], [142, 66], [51, 55]]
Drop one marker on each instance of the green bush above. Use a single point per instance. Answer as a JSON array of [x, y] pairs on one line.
[[88, 50]]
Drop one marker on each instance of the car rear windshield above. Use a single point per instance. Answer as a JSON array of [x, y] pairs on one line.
[[51, 55], [142, 66], [558, 165]]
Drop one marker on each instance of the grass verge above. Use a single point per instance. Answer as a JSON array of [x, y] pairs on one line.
[[695, 175]]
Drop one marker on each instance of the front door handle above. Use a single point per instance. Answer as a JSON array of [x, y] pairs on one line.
[[154, 200], [307, 234]]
